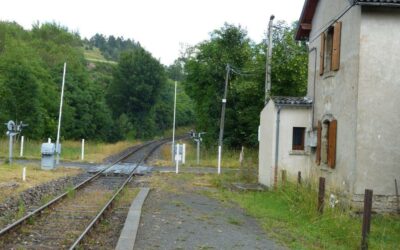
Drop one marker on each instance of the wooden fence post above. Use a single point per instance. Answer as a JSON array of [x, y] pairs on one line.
[[321, 195], [366, 218], [283, 177]]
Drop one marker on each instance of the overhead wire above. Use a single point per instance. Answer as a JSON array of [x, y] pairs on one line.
[[242, 73]]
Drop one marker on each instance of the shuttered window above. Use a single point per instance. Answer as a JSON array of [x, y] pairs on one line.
[[328, 148], [337, 30], [330, 49], [318, 153], [322, 55], [332, 128]]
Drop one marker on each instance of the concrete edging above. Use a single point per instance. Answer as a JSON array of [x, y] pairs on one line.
[[128, 234]]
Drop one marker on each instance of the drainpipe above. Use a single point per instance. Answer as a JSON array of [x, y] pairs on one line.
[[314, 49], [278, 113]]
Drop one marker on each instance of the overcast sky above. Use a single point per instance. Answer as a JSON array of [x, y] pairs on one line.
[[161, 26]]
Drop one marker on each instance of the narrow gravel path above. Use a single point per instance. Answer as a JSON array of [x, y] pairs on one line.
[[177, 216]]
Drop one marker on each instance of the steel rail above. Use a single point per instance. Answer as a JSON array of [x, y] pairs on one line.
[[112, 199], [20, 221]]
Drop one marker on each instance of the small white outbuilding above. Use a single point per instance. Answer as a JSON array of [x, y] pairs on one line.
[[284, 124]]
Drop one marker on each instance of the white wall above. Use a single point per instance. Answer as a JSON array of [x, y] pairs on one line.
[[336, 92], [292, 163], [288, 160], [267, 140], [378, 114]]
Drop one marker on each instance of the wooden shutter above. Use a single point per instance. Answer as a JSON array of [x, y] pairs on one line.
[[322, 55], [318, 153], [332, 143], [337, 30]]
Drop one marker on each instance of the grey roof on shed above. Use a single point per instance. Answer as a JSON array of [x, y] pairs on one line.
[[390, 3], [292, 101]]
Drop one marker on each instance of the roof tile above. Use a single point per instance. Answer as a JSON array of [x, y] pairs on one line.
[[290, 100]]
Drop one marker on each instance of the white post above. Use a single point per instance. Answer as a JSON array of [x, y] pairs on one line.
[[219, 159], [48, 140], [24, 174], [10, 148], [177, 159], [173, 126], [198, 151], [59, 116], [21, 153], [241, 156], [83, 149], [183, 153]]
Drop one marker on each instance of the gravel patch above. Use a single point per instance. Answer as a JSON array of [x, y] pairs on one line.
[[30, 199], [189, 220]]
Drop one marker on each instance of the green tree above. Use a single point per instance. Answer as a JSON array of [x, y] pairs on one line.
[[205, 77], [289, 62], [135, 89], [205, 72], [175, 71], [164, 107]]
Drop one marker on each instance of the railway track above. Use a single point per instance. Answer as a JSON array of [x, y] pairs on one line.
[[65, 221]]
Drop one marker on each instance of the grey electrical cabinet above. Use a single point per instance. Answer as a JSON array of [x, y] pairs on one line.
[[48, 152]]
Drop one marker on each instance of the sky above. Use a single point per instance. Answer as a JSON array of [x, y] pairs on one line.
[[163, 27]]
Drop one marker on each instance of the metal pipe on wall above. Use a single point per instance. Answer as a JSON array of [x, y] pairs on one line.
[[278, 113], [314, 49]]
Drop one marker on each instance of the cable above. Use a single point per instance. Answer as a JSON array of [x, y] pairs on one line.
[[238, 72]]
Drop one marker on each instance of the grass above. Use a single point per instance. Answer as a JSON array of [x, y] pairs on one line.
[[34, 176], [208, 158], [71, 192], [234, 221], [21, 209], [289, 215], [126, 196], [71, 150], [95, 56]]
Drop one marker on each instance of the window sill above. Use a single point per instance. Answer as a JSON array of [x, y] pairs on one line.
[[298, 152], [328, 74], [325, 168]]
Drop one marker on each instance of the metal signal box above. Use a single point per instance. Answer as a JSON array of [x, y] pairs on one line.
[[48, 151]]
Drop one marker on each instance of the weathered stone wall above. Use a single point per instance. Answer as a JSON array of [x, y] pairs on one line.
[[380, 203]]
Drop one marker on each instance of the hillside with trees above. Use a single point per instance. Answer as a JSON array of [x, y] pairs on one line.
[[31, 64], [131, 96]]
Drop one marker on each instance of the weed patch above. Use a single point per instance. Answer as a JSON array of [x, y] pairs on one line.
[[290, 215]]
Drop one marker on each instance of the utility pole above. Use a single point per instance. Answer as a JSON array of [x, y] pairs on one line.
[[221, 129], [58, 148], [173, 127], [268, 61]]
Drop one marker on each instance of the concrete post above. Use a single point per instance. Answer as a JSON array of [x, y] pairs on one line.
[[10, 148], [83, 150], [21, 152], [183, 153]]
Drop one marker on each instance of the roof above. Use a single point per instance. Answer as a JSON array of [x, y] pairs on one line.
[[390, 3], [292, 101], [306, 17], [307, 14]]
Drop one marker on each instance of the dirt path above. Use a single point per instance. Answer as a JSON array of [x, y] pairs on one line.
[[177, 216]]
